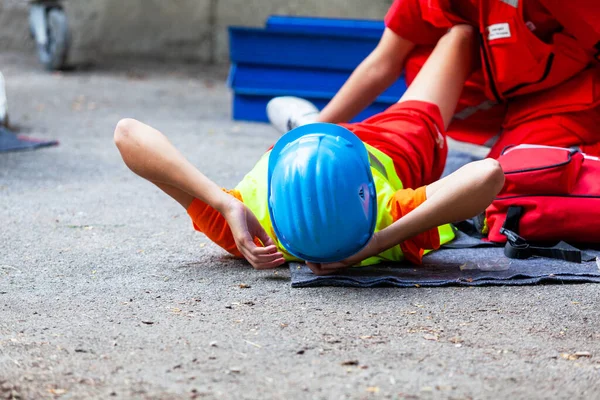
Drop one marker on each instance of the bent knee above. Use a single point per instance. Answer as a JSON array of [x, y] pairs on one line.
[[494, 175], [123, 131]]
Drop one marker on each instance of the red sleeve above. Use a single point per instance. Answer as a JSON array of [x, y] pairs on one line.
[[412, 134], [406, 20], [403, 202]]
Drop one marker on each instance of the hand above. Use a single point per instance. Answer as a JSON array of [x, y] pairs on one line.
[[245, 227], [371, 249]]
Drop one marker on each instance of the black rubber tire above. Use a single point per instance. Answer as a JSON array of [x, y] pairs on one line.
[[54, 55]]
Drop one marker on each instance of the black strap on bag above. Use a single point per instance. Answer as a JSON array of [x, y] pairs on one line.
[[518, 247]]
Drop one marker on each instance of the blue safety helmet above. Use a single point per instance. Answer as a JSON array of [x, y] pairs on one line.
[[322, 199]]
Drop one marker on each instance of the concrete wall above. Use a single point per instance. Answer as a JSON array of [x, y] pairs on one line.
[[194, 30]]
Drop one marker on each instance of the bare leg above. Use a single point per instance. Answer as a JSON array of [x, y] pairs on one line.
[[442, 78]]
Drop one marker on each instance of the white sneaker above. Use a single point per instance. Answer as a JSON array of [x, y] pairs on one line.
[[3, 103], [287, 112]]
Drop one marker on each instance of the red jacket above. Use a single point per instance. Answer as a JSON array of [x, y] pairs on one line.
[[515, 61], [523, 50]]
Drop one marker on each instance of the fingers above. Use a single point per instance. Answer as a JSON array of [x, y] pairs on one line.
[[269, 265], [325, 269], [264, 250], [261, 257], [264, 238], [315, 268], [266, 260]]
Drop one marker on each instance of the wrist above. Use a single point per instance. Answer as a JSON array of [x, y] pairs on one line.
[[225, 203]]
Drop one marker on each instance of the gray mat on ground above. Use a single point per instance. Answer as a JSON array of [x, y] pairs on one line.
[[475, 266], [452, 267]]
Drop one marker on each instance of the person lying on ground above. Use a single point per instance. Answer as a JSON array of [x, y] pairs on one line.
[[338, 195]]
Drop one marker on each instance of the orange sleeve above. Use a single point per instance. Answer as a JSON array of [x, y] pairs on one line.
[[212, 223], [403, 202]]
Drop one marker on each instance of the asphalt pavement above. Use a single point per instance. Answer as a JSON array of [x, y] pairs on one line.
[[106, 291]]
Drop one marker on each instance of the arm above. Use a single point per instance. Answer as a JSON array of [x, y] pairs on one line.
[[148, 153], [459, 196], [372, 77]]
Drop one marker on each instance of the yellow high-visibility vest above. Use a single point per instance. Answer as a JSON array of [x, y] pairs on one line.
[[253, 189]]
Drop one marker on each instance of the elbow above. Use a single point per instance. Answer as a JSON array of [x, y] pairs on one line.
[[123, 135]]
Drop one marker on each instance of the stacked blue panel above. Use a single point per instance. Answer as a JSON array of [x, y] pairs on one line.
[[327, 26], [299, 56]]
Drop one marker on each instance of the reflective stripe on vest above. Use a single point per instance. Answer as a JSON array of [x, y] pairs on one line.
[[382, 163]]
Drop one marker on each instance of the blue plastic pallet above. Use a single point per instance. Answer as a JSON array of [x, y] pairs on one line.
[[253, 107], [326, 26], [300, 56], [262, 47], [313, 83]]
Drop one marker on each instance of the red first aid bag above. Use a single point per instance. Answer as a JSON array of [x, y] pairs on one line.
[[551, 194]]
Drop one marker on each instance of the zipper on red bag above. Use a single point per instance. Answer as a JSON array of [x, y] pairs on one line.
[[533, 146]]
